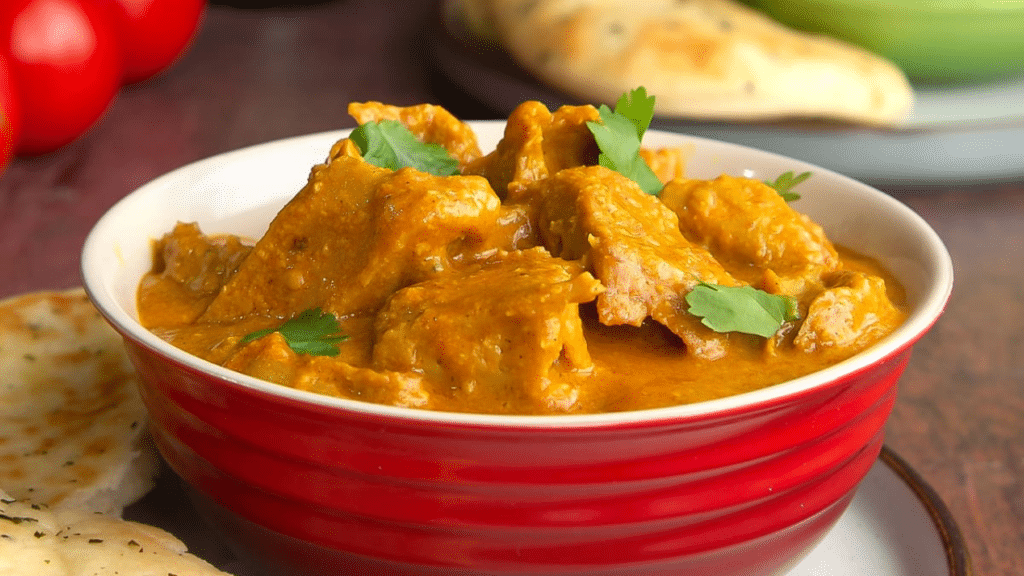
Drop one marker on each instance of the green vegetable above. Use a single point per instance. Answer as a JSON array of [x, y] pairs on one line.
[[312, 332], [785, 182], [741, 309], [618, 136], [389, 144], [638, 107]]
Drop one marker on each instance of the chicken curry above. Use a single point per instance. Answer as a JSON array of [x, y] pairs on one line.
[[531, 280]]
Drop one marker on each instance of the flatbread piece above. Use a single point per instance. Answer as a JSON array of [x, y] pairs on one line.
[[73, 429], [37, 541], [702, 59]]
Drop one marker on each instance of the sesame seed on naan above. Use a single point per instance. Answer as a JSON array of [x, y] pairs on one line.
[[73, 429]]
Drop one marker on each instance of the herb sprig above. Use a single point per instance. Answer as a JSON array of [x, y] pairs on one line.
[[785, 182], [618, 136], [389, 144], [741, 309], [312, 332]]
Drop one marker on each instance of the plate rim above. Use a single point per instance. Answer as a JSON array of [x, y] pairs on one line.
[[957, 555]]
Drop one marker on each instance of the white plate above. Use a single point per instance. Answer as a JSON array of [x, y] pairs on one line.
[[957, 134], [895, 526]]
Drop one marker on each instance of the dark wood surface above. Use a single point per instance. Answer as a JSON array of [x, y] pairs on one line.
[[258, 75]]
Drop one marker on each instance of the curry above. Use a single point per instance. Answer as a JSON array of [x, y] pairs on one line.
[[532, 281]]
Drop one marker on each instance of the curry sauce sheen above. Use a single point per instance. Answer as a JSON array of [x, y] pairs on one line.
[[532, 282]]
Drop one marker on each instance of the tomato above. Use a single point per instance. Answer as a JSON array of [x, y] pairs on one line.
[[65, 59], [10, 119], [154, 33]]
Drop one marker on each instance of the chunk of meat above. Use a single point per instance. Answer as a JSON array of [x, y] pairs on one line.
[[747, 225], [851, 313], [666, 163], [344, 147], [422, 225], [268, 358], [516, 230], [324, 375], [354, 234], [495, 335], [271, 359], [634, 246], [430, 123], [536, 144], [193, 267]]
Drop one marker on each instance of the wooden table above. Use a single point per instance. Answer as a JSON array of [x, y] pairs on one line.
[[258, 75]]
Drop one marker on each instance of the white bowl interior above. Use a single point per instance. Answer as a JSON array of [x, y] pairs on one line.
[[240, 192]]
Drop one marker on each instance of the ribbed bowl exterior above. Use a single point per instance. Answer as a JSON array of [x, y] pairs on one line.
[[312, 489]]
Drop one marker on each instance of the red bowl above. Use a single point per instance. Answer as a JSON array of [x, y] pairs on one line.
[[309, 484]]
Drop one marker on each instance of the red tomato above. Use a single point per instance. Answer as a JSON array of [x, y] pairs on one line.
[[66, 62], [154, 33], [9, 114]]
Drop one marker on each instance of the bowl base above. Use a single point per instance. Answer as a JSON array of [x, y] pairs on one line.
[[269, 553]]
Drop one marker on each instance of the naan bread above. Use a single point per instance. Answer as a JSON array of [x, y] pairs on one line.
[[72, 423], [703, 59], [37, 541]]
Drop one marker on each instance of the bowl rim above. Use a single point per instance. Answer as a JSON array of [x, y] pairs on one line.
[[933, 302]]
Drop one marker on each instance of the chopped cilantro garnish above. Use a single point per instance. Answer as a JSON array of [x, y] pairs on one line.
[[312, 332], [785, 182], [741, 309], [618, 136], [389, 144]]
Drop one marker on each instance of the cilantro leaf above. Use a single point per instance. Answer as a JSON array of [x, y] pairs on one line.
[[618, 137], [638, 107], [785, 182], [741, 309], [312, 332], [389, 144]]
